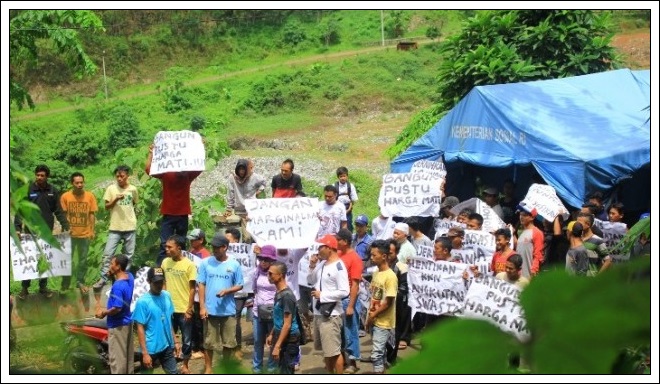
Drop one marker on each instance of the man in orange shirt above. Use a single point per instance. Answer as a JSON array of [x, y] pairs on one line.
[[80, 207]]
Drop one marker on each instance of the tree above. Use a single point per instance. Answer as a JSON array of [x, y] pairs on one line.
[[497, 47], [123, 129], [32, 30]]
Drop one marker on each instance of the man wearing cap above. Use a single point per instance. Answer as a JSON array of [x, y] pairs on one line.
[[264, 297], [456, 235], [153, 316], [198, 250], [351, 304], [406, 249], [530, 243], [219, 277], [491, 197], [181, 274], [330, 281], [361, 239], [448, 203]]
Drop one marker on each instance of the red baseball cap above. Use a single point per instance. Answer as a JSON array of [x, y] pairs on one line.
[[329, 241]]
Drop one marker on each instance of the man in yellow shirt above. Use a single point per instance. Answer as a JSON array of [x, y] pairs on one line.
[[80, 207], [181, 275], [382, 311]]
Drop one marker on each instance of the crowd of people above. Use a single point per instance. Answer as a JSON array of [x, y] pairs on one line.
[[200, 293]]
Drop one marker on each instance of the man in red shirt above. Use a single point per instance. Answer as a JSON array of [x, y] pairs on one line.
[[351, 304], [175, 206]]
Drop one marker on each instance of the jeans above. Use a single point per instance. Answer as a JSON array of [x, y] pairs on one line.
[[171, 225], [379, 338], [349, 220], [167, 361], [179, 322], [197, 333], [114, 238], [79, 251], [351, 327], [261, 329], [288, 354]]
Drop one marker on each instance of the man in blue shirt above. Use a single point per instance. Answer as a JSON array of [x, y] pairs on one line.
[[153, 315], [361, 239], [120, 331], [285, 335], [219, 277]]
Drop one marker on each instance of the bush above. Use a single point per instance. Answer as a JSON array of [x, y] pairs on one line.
[[79, 147], [197, 123], [293, 34], [123, 129]]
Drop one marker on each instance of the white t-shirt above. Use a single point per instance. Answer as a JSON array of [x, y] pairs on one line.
[[382, 229], [331, 217]]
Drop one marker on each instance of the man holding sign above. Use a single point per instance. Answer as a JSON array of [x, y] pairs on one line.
[[175, 148]]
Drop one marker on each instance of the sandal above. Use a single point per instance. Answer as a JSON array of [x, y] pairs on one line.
[[403, 345]]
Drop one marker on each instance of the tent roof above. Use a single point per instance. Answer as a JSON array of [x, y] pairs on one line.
[[581, 133]]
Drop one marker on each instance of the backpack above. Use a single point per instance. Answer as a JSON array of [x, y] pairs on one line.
[[348, 191]]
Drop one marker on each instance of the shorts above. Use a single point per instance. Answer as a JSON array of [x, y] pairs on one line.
[[220, 333], [327, 335]]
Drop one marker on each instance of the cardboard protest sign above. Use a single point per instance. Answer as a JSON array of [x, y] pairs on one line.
[[492, 222], [409, 194], [244, 254], [284, 223], [177, 151], [434, 168], [364, 297], [612, 234], [544, 199], [140, 285], [24, 264], [435, 287], [498, 302]]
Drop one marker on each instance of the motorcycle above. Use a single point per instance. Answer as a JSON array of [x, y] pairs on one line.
[[86, 347]]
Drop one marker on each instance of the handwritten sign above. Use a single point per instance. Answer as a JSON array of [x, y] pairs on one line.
[[244, 254], [409, 194], [425, 252], [481, 239], [492, 222], [544, 199], [140, 285], [498, 302], [473, 257], [176, 151], [612, 234], [442, 226], [434, 168], [284, 223], [24, 264], [435, 287], [364, 297]]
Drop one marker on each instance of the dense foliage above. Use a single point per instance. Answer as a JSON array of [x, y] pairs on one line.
[[497, 47]]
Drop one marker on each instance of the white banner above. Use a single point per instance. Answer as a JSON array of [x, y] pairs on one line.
[[477, 256], [140, 285], [176, 151], [24, 264], [244, 254], [544, 199], [442, 226], [481, 239], [425, 252], [284, 223], [612, 234], [497, 302], [492, 222], [409, 194], [435, 287], [435, 168]]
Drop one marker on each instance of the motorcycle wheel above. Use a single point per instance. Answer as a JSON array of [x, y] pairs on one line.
[[74, 366]]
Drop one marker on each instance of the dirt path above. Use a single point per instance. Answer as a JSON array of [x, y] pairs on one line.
[[330, 57]]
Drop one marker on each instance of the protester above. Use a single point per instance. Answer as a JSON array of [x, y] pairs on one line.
[[530, 243], [262, 310], [406, 249], [181, 275], [330, 281], [351, 304], [242, 299], [287, 183], [502, 250], [153, 316], [402, 331], [285, 335], [361, 239], [197, 239], [513, 272], [382, 228], [219, 277], [491, 197], [346, 194], [118, 312], [243, 184], [120, 199], [80, 209], [46, 197], [577, 258], [331, 214], [382, 314], [175, 206], [474, 222]]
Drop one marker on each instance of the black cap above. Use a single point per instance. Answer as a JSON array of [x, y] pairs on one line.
[[155, 274]]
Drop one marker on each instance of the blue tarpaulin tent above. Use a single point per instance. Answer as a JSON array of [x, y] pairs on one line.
[[580, 134]]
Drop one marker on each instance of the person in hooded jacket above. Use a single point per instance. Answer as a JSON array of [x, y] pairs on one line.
[[243, 184]]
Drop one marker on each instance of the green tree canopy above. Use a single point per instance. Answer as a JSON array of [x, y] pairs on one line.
[[497, 47], [58, 30]]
